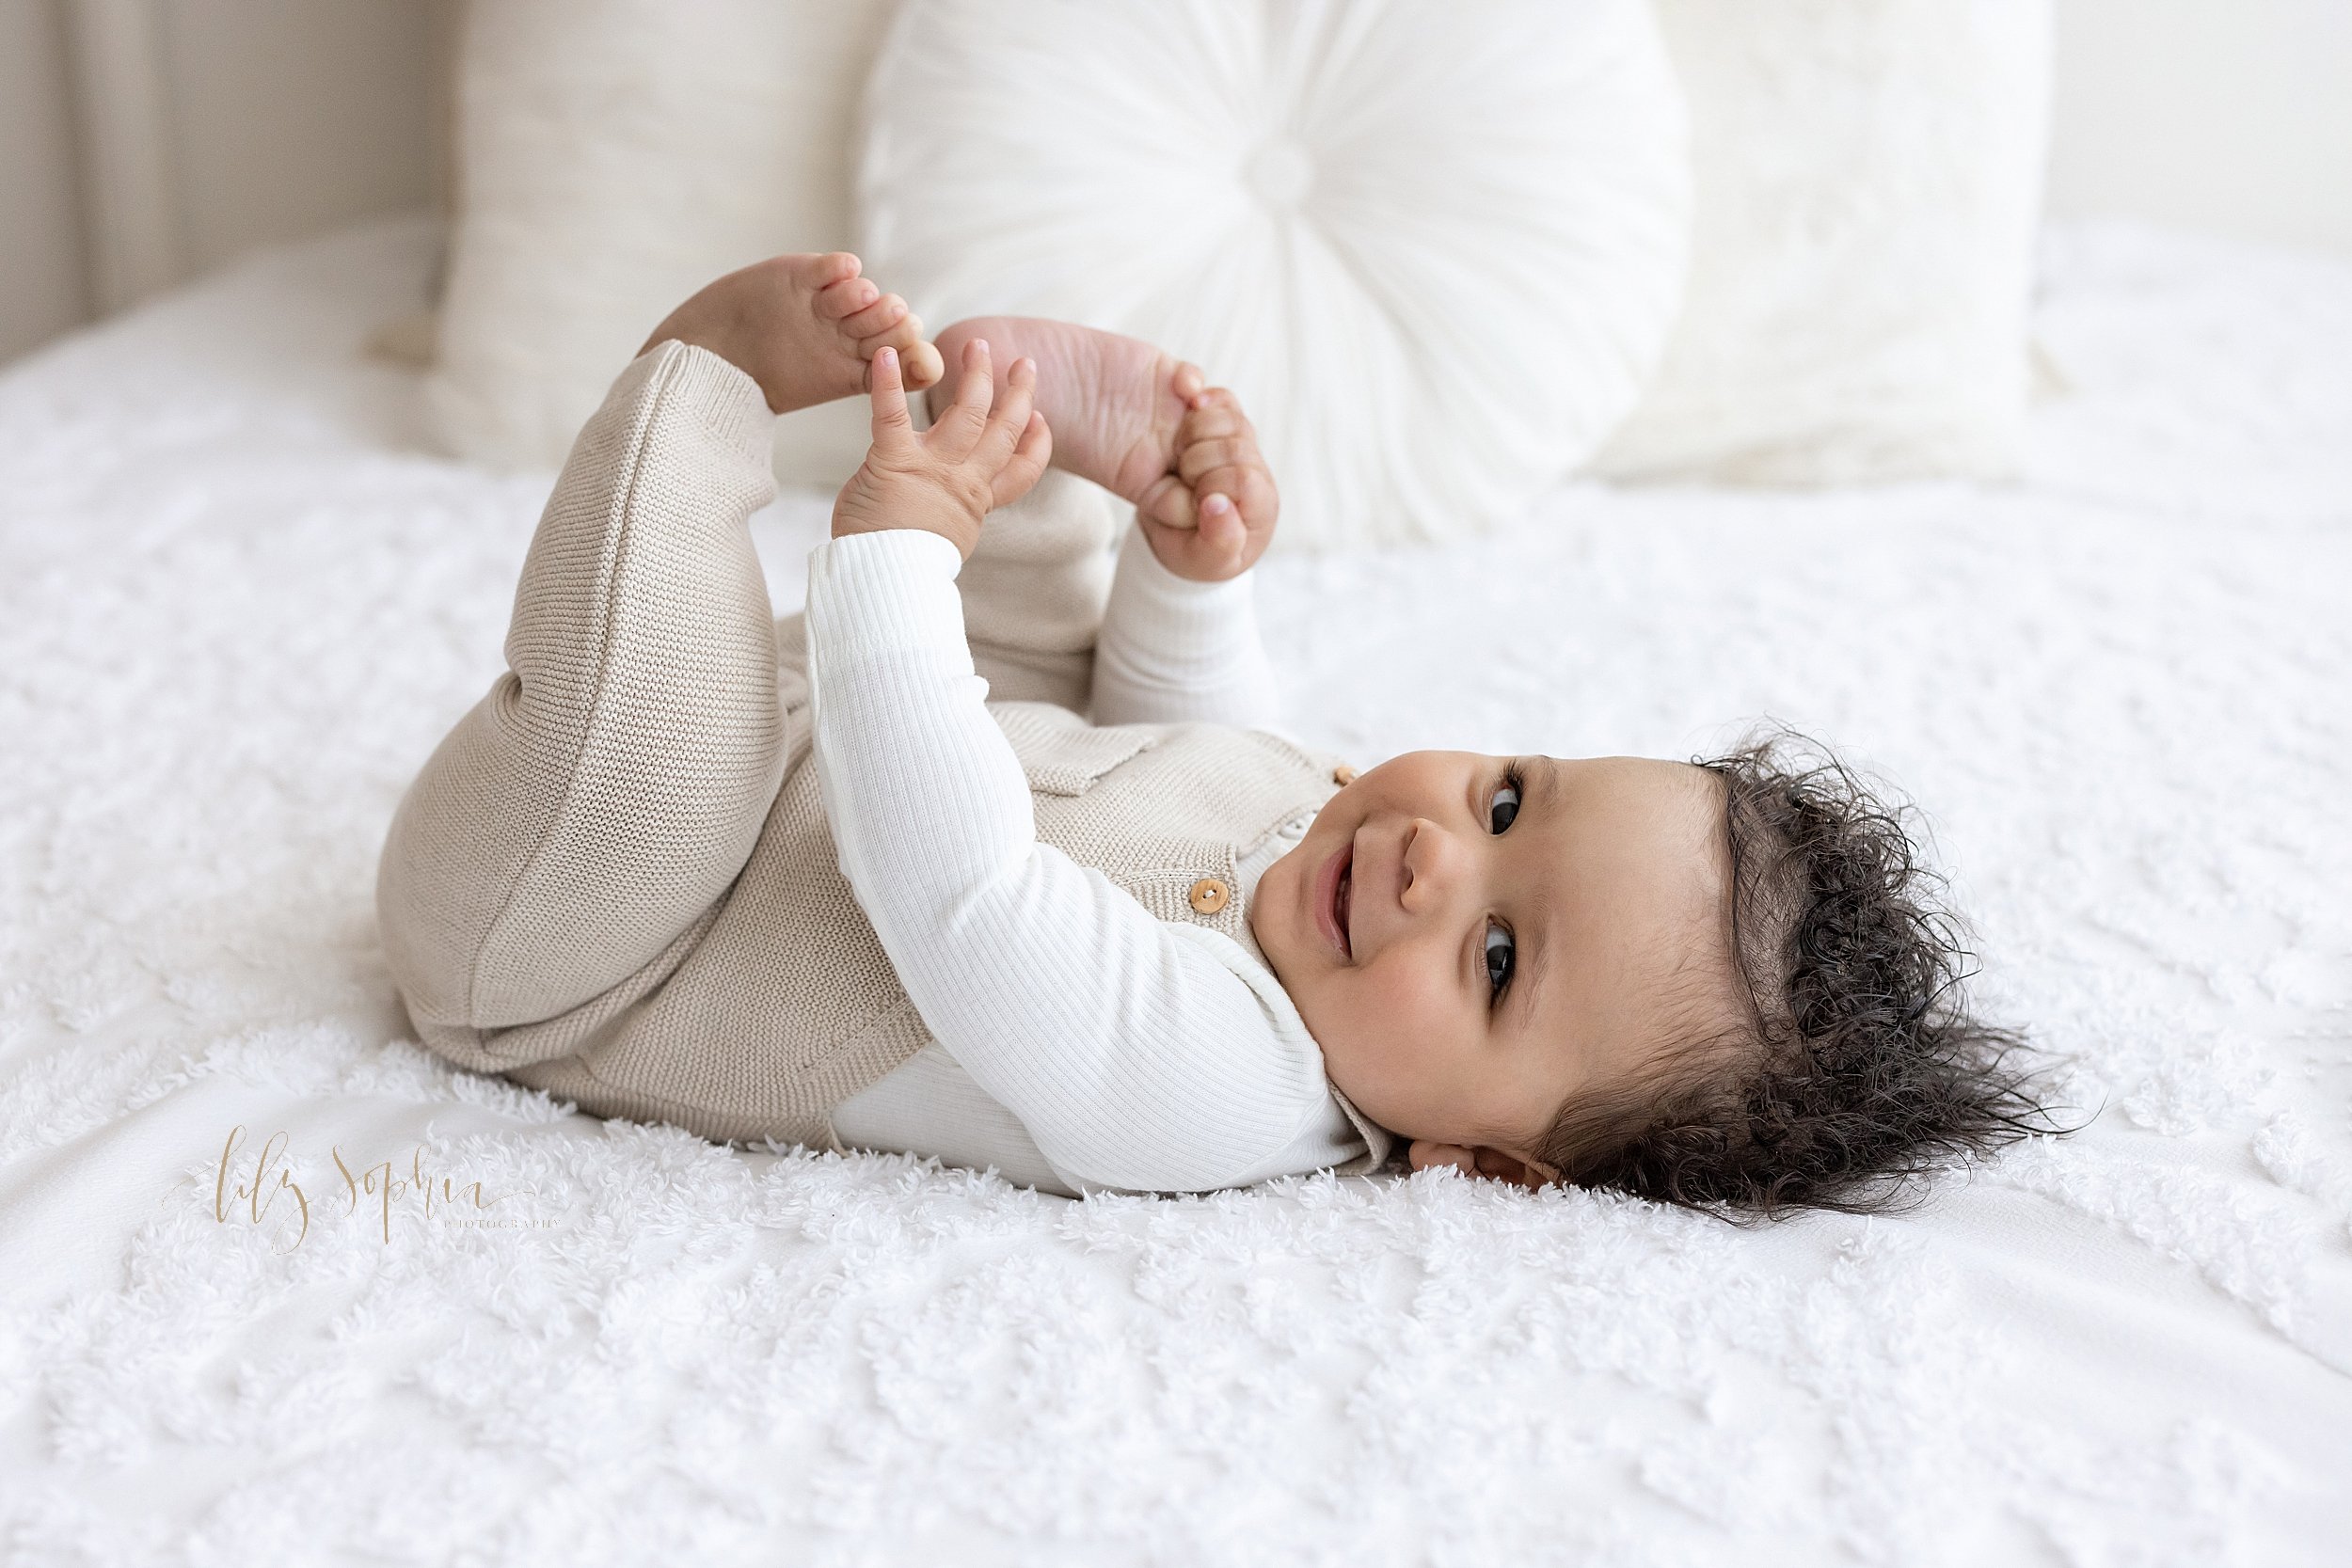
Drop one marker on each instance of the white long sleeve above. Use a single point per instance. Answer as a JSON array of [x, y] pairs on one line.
[[931, 1106], [1136, 1054], [1171, 650]]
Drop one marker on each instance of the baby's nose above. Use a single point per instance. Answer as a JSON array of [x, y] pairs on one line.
[[1431, 863]]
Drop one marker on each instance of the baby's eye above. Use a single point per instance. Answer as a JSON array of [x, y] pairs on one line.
[[1501, 949], [1505, 808]]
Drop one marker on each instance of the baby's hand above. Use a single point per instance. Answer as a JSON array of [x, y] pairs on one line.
[[1211, 518], [944, 480]]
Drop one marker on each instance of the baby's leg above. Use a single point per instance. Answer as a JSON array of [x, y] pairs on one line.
[[1033, 589], [601, 798]]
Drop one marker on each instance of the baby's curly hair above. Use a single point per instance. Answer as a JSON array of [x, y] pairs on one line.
[[1859, 1069]]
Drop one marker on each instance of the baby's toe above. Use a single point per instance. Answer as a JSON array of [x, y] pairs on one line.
[[824, 269], [846, 297], [920, 362], [877, 318]]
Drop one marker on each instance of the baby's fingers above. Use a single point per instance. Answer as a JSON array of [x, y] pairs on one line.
[[1221, 534], [1248, 485], [1213, 419], [1210, 549], [1009, 420], [1028, 460], [894, 430], [955, 432], [1205, 457], [1169, 503]]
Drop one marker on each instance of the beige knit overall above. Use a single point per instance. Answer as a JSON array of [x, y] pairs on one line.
[[614, 880]]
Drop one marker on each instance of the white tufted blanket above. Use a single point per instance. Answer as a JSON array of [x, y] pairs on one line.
[[237, 605]]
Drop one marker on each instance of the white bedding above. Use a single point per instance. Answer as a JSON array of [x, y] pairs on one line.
[[238, 603]]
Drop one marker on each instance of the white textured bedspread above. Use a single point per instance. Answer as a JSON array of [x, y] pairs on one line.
[[239, 603]]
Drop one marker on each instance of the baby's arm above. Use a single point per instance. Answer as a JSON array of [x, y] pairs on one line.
[[1180, 637], [1131, 1053], [1170, 650]]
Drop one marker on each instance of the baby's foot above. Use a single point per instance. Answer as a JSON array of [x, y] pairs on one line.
[[1113, 404], [805, 326]]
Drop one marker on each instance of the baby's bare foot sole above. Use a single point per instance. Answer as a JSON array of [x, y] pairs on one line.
[[1113, 402]]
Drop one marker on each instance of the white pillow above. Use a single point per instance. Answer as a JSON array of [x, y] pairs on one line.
[[1867, 175], [1435, 249], [614, 156]]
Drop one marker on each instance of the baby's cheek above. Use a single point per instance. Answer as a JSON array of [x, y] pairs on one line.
[[1400, 1026]]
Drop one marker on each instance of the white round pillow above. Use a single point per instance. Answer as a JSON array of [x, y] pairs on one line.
[[1435, 249]]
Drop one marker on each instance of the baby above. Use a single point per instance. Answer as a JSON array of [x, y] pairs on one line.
[[867, 877]]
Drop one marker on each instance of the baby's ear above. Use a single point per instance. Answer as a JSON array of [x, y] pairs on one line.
[[1532, 1174], [1424, 1154], [1481, 1161]]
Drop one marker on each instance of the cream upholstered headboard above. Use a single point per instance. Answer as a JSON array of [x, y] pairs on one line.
[[144, 141]]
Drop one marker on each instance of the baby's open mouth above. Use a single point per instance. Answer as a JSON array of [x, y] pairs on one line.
[[1339, 904], [1336, 882]]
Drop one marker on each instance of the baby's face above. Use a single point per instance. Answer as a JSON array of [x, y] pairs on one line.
[[1474, 939]]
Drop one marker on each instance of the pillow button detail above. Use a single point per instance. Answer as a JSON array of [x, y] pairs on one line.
[[1209, 894], [1280, 172]]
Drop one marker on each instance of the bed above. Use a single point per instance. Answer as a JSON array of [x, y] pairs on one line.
[[279, 1286]]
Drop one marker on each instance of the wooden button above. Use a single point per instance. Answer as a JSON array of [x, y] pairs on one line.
[[1342, 774], [1209, 894]]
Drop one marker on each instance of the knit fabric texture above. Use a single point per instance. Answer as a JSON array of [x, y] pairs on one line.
[[615, 881]]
